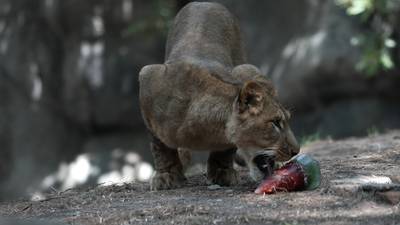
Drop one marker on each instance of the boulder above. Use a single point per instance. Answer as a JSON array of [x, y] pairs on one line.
[[68, 72], [304, 47]]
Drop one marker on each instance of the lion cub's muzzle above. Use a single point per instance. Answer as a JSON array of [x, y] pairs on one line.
[[290, 147]]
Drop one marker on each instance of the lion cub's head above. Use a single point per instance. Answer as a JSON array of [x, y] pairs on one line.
[[259, 128]]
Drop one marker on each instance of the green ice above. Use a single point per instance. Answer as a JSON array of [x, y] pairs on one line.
[[311, 170]]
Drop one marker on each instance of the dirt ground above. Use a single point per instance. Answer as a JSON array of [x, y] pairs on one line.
[[335, 202]]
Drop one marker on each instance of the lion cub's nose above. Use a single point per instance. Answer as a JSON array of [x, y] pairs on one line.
[[295, 151]]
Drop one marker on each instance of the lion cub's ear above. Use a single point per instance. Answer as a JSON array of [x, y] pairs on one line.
[[251, 98], [147, 72], [246, 72]]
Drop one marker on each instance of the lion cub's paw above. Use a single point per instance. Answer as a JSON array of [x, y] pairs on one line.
[[166, 180], [223, 177]]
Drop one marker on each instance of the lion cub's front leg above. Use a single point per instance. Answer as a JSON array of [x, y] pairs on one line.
[[220, 168], [169, 170]]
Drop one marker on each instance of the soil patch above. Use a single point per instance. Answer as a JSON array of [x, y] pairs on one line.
[[200, 203]]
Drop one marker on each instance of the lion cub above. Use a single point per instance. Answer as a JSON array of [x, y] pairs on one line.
[[205, 97]]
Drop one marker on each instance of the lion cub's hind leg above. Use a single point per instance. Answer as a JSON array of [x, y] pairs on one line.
[[169, 170], [220, 168]]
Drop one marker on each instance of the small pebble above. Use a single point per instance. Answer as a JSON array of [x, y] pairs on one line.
[[214, 187]]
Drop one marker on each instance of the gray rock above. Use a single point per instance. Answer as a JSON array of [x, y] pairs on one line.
[[68, 72], [214, 187], [304, 47]]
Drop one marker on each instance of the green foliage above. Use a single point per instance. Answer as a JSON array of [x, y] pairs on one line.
[[159, 21], [372, 131], [380, 18], [305, 140]]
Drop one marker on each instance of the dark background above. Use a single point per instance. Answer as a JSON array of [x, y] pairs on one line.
[[68, 80]]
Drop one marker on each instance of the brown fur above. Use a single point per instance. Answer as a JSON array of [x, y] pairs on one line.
[[204, 97]]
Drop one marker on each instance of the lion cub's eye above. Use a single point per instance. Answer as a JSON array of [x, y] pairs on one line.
[[277, 124]]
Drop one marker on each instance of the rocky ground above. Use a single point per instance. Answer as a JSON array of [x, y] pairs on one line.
[[345, 196]]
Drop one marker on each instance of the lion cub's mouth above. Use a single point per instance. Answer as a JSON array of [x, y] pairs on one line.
[[265, 163]]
